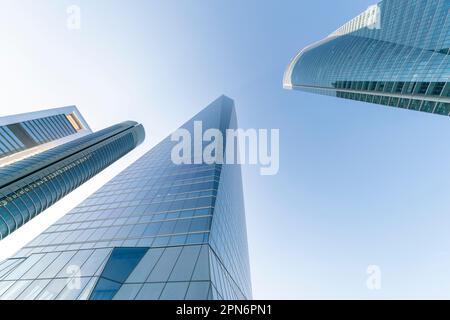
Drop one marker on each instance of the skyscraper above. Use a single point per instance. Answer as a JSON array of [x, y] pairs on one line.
[[397, 54], [27, 134], [31, 185], [158, 230]]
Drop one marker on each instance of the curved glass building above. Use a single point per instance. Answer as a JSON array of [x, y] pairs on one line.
[[397, 53], [158, 230], [31, 185]]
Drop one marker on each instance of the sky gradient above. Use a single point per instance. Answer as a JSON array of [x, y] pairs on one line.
[[358, 185]]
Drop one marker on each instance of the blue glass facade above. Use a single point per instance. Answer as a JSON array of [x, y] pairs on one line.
[[395, 54], [30, 186], [156, 231]]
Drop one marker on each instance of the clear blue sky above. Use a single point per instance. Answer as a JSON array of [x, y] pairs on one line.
[[358, 185]]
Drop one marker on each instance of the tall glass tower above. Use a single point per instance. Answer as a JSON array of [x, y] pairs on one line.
[[27, 134], [31, 185], [158, 230], [397, 54]]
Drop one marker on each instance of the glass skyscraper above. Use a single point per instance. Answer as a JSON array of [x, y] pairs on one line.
[[31, 185], [158, 230], [397, 54], [27, 134]]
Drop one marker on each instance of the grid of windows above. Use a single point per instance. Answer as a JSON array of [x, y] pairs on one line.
[[30, 186], [156, 231], [404, 63]]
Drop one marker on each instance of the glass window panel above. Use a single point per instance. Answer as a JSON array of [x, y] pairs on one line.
[[182, 226], [9, 265], [152, 230], [428, 106], [174, 291], [167, 227], [15, 290], [130, 243], [137, 231], [200, 224], [73, 289], [164, 267], [24, 267], [124, 231], [38, 268], [94, 262], [196, 238], [146, 242], [150, 291], [88, 289], [443, 109], [198, 291], [127, 292], [76, 262], [185, 265], [145, 266], [5, 285], [52, 290], [105, 290], [201, 271], [33, 290], [178, 240], [161, 242], [52, 270], [122, 262]]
